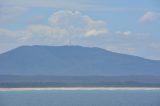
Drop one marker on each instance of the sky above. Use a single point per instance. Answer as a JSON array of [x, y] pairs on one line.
[[123, 26]]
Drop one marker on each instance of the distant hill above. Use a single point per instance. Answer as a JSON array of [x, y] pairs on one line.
[[73, 61], [12, 81]]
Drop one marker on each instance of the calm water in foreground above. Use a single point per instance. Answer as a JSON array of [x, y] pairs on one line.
[[81, 98]]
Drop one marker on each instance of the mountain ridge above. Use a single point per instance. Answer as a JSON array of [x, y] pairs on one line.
[[73, 60]]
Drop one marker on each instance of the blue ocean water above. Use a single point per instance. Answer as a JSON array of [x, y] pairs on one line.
[[81, 98]]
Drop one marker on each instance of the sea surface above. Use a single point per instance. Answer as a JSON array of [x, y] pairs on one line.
[[80, 98]]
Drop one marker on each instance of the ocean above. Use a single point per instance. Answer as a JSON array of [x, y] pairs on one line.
[[80, 98]]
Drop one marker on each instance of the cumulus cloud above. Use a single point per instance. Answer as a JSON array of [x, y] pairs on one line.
[[150, 17], [78, 23], [61, 25]]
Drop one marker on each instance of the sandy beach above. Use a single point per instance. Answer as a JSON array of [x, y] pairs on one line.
[[80, 88]]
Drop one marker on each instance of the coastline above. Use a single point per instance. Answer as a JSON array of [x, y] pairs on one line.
[[80, 88]]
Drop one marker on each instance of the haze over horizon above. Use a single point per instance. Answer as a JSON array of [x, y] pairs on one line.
[[128, 27]]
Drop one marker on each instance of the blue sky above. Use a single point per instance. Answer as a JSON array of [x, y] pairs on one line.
[[124, 26]]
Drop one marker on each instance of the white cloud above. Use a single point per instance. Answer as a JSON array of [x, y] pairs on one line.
[[63, 25], [45, 30], [94, 27], [20, 35], [132, 35], [150, 17], [66, 18], [77, 24], [125, 33]]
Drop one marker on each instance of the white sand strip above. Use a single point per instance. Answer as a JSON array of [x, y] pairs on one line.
[[80, 88]]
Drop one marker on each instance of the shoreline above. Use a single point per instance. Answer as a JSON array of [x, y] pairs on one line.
[[79, 88]]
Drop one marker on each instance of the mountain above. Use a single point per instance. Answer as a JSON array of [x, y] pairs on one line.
[[73, 61]]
